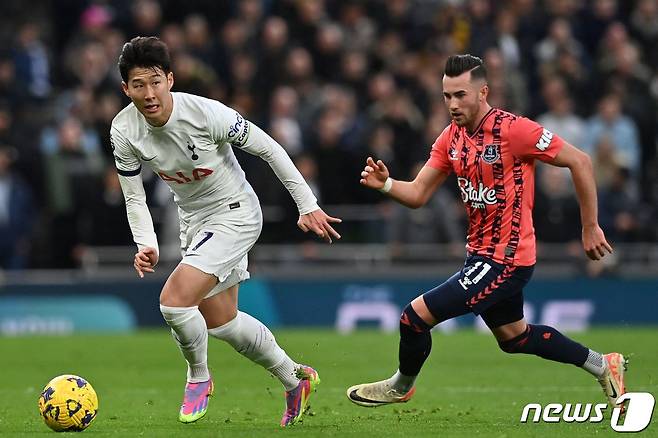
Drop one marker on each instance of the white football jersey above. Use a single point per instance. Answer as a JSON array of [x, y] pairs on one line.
[[193, 154]]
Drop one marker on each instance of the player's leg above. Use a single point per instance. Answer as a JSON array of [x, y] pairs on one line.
[[247, 335], [417, 320], [211, 251], [251, 338], [179, 304], [514, 335]]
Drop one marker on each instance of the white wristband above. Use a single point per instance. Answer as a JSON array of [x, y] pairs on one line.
[[387, 185]]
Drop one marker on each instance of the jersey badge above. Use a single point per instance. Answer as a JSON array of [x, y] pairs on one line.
[[191, 147], [491, 153]]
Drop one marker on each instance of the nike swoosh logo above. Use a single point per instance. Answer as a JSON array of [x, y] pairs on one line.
[[191, 255], [355, 396], [148, 159], [614, 393]]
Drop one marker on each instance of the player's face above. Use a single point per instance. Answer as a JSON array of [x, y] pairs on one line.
[[150, 90], [464, 98]]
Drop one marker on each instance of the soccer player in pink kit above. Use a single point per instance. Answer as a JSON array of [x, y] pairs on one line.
[[492, 153]]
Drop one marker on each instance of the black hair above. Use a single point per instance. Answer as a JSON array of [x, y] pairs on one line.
[[146, 52], [458, 64]]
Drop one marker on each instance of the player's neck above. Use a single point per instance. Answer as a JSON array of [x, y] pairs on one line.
[[484, 110]]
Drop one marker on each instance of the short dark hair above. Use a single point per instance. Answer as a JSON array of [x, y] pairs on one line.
[[145, 52], [458, 64]]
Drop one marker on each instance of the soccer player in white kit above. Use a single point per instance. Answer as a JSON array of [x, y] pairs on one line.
[[187, 141]]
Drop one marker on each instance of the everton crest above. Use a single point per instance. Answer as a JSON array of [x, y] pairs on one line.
[[491, 153]]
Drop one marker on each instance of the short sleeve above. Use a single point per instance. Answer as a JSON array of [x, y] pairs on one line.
[[226, 125], [126, 161], [529, 140], [439, 154]]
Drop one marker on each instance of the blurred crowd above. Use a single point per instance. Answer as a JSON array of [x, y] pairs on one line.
[[334, 81]]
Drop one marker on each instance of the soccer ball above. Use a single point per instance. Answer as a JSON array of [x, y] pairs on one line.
[[68, 403]]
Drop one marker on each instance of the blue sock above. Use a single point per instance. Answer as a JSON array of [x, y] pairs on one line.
[[546, 342]]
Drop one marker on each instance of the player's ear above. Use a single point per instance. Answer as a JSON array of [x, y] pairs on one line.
[[170, 80], [484, 92], [124, 86]]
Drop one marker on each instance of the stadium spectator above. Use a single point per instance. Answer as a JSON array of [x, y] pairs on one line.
[[560, 117], [507, 86], [556, 208], [71, 166], [17, 216], [107, 224], [283, 120], [644, 26], [31, 62], [619, 207], [619, 130]]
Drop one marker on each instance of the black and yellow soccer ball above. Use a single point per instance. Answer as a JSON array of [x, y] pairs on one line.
[[68, 403]]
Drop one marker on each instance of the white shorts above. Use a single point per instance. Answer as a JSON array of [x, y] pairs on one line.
[[219, 245]]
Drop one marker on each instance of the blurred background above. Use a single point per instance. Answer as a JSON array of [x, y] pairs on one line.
[[334, 82]]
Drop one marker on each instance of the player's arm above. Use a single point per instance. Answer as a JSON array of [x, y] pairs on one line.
[[141, 224], [139, 216], [580, 165], [412, 194]]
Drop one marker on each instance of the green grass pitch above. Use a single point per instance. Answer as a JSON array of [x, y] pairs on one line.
[[468, 387]]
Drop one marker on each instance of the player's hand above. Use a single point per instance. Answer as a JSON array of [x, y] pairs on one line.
[[374, 175], [319, 222], [145, 261], [594, 242]]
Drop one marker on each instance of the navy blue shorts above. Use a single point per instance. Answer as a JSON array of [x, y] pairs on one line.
[[482, 287]]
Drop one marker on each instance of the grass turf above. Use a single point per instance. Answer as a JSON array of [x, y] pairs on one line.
[[468, 388]]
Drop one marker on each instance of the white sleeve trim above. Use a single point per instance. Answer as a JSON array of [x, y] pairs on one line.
[[260, 144], [139, 216]]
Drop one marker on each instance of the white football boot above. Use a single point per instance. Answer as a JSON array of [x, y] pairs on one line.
[[612, 380], [377, 394]]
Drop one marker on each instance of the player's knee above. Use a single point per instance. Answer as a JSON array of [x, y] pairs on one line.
[[410, 320], [177, 314], [167, 299], [518, 344], [173, 295], [169, 296], [507, 347]]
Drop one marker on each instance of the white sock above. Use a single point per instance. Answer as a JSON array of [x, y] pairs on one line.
[[286, 372], [189, 330], [256, 342], [402, 383], [595, 364]]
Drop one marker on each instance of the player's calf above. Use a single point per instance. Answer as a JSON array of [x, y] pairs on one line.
[[415, 347], [415, 340], [550, 344], [189, 331], [546, 342]]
